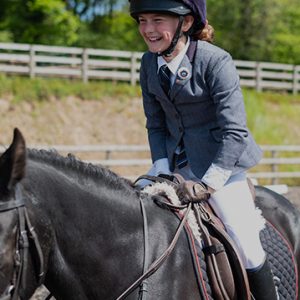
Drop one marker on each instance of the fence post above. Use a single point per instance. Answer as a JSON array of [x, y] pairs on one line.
[[295, 80], [258, 77], [274, 167], [133, 69], [32, 61], [84, 67]]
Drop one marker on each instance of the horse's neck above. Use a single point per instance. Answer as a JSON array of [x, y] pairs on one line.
[[95, 225]]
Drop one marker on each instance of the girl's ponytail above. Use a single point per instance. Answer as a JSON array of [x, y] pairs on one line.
[[205, 34]]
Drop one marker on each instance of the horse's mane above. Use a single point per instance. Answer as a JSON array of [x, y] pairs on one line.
[[75, 165]]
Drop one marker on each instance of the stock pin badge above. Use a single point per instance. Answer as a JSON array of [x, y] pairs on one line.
[[183, 73]]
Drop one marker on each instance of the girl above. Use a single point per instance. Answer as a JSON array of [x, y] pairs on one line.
[[196, 121]]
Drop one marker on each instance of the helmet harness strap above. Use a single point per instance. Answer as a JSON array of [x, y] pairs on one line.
[[177, 35]]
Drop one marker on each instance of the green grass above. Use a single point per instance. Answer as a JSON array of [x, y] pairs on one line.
[[41, 89], [272, 117]]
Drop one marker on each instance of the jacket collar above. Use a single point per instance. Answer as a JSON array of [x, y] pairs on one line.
[[184, 74]]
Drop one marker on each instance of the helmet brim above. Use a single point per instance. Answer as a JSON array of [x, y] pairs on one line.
[[168, 7]]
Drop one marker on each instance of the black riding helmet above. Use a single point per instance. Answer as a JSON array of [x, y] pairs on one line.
[[164, 6], [196, 8]]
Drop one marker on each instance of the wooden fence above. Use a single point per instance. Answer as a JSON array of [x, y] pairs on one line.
[[89, 64], [279, 162]]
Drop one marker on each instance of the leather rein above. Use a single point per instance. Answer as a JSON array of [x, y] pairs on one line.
[[148, 271], [25, 233]]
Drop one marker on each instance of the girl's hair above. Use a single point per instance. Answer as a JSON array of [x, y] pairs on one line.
[[206, 34]]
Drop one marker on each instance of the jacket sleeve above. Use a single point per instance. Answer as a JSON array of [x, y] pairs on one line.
[[225, 91], [155, 117]]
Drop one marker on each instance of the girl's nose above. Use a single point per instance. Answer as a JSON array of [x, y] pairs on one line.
[[147, 27]]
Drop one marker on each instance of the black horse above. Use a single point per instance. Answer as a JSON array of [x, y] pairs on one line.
[[86, 231]]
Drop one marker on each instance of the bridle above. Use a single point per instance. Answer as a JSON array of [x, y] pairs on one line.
[[25, 234]]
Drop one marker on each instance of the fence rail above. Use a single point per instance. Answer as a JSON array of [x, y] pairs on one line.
[[279, 161], [87, 64]]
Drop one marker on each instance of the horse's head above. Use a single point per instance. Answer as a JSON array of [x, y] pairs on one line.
[[12, 168]]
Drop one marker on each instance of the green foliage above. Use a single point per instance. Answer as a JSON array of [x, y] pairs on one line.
[[42, 22], [5, 36], [286, 39], [119, 32], [259, 30], [243, 27]]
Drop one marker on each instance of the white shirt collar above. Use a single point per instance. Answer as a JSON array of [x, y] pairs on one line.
[[174, 64]]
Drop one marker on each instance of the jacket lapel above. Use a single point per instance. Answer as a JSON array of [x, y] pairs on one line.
[[184, 74], [153, 79]]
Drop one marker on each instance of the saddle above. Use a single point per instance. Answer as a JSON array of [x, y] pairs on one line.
[[226, 274]]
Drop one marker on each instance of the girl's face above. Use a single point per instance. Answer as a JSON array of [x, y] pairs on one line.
[[158, 31]]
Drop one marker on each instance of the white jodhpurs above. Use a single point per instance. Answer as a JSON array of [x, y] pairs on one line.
[[234, 205]]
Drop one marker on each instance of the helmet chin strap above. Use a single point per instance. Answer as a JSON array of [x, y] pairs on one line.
[[177, 35]]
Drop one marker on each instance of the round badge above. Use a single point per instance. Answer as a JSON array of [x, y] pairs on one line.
[[183, 73]]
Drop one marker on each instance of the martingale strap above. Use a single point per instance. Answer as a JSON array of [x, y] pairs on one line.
[[157, 263], [144, 283]]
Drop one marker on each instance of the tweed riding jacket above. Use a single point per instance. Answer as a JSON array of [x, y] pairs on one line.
[[205, 109]]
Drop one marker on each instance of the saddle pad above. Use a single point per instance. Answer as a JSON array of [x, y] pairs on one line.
[[280, 256], [282, 262]]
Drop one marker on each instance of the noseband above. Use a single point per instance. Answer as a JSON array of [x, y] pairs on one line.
[[25, 233]]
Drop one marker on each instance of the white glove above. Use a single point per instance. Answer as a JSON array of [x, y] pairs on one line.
[[160, 166]]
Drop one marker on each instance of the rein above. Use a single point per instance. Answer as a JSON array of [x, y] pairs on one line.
[[25, 233], [141, 281]]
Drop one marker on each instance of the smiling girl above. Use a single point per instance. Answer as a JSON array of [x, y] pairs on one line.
[[196, 122]]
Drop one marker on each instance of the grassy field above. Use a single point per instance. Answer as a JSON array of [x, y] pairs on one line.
[[55, 111], [272, 117]]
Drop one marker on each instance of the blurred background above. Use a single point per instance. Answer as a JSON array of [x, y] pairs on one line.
[[261, 30], [69, 75]]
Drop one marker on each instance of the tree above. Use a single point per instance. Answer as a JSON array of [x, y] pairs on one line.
[[119, 32], [260, 30], [5, 34], [42, 22], [284, 44], [243, 26]]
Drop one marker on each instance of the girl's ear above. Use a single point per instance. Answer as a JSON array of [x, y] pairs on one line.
[[187, 23]]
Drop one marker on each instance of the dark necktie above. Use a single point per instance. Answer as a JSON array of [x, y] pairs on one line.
[[164, 76]]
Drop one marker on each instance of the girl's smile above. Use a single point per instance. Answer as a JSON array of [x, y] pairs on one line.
[[158, 31]]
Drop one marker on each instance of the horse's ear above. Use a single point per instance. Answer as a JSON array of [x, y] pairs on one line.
[[12, 162]]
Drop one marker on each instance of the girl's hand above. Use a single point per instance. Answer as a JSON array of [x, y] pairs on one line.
[[191, 191]]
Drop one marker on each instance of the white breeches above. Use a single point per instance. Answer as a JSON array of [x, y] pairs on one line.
[[234, 205]]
